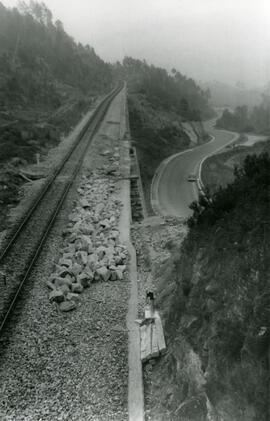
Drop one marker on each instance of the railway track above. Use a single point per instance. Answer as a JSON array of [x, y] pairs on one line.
[[26, 241]]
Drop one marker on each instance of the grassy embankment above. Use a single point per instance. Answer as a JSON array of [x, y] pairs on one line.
[[24, 138]]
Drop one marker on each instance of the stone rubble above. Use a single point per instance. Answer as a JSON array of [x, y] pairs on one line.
[[92, 250]]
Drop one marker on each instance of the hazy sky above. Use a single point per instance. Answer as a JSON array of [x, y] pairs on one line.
[[226, 40]]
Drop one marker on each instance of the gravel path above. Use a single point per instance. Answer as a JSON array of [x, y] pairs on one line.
[[69, 366]]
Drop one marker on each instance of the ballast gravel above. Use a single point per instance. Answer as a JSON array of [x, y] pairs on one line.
[[58, 364], [67, 366]]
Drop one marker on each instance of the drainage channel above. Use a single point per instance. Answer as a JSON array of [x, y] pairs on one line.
[[138, 212]]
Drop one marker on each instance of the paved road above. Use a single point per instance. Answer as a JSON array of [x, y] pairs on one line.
[[172, 193]]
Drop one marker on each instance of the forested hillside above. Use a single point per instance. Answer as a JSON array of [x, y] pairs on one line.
[[38, 58], [173, 92], [244, 120], [47, 81], [45, 78], [166, 113]]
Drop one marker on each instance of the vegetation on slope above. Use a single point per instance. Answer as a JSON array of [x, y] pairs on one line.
[[156, 136], [46, 79], [172, 92], [37, 56], [218, 169], [217, 309], [244, 120], [159, 107], [46, 82]]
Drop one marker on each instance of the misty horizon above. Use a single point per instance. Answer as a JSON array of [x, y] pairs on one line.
[[204, 40]]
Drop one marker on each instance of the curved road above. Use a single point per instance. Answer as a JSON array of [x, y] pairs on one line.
[[171, 192]]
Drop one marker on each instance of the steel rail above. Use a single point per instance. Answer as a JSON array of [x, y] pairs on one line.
[[56, 172]]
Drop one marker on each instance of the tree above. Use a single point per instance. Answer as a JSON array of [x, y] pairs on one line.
[[39, 11]]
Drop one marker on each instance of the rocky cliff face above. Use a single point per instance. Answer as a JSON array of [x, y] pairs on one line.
[[217, 316], [195, 131]]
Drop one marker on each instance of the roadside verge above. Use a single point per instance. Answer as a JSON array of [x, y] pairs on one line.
[[200, 185]]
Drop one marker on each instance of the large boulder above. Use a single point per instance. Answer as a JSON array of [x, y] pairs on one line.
[[101, 251], [71, 296], [82, 257], [56, 296], [65, 289], [67, 306], [86, 229], [77, 288], [58, 282], [85, 280], [84, 203], [105, 224], [104, 273], [65, 262], [76, 269]]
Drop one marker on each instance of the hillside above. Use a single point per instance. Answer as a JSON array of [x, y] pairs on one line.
[[214, 297], [173, 92], [155, 135], [41, 63], [166, 114], [47, 81]]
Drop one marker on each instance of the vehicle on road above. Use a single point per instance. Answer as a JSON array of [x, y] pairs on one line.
[[192, 177]]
